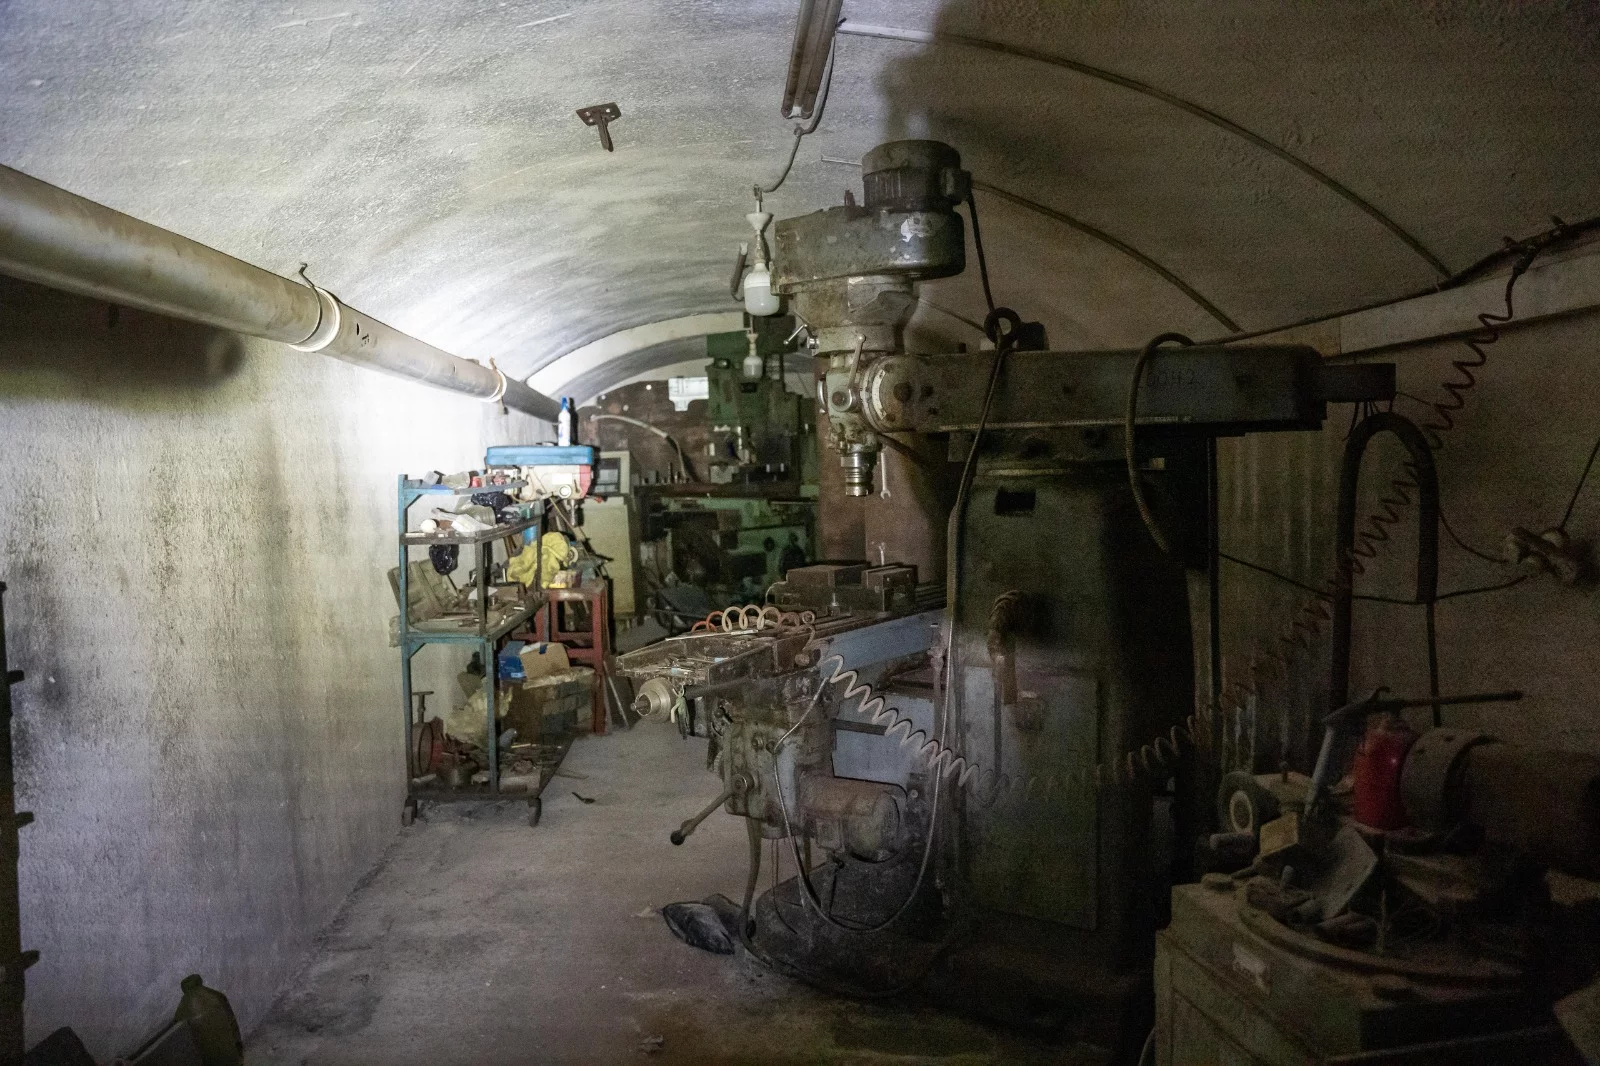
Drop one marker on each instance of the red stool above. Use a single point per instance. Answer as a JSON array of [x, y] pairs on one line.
[[591, 647]]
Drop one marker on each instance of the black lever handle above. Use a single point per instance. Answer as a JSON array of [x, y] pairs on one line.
[[680, 834]]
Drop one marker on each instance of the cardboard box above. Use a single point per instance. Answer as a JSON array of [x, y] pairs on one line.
[[544, 660], [551, 705]]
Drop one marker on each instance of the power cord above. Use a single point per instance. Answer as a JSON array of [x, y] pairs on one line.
[[1577, 490], [983, 263], [1489, 323], [1326, 594], [803, 131], [1128, 429]]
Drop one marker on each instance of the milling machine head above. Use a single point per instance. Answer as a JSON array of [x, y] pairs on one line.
[[852, 270]]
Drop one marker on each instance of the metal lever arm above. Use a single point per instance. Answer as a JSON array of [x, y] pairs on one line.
[[680, 834]]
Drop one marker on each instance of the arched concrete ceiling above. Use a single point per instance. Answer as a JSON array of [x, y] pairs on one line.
[[424, 158]]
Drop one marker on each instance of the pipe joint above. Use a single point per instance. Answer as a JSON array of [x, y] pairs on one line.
[[499, 387], [328, 320]]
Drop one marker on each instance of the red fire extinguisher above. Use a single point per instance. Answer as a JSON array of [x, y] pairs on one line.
[[1377, 772]]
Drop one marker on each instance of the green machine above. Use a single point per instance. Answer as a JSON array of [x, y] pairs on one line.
[[734, 547], [761, 433], [756, 519]]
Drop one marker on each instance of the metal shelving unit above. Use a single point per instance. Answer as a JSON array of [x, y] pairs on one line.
[[483, 629]]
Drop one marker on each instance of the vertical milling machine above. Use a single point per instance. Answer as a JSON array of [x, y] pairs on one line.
[[965, 791]]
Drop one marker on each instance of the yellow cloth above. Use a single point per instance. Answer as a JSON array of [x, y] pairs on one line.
[[558, 552]]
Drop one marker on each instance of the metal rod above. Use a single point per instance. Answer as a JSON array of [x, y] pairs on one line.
[[1375, 704], [52, 237], [1509, 696], [680, 834], [1343, 724]]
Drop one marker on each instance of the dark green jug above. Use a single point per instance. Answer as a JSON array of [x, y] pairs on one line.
[[211, 1021]]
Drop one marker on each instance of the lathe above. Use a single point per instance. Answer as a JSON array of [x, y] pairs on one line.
[[956, 743]]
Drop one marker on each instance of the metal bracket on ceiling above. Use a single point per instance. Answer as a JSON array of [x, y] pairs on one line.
[[601, 115]]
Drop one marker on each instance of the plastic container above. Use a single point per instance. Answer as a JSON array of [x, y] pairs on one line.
[[564, 423], [211, 1021], [1377, 772]]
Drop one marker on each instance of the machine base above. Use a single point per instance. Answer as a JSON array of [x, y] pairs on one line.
[[1014, 972]]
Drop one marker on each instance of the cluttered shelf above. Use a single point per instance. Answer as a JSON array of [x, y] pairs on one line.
[[481, 536], [519, 705], [465, 627]]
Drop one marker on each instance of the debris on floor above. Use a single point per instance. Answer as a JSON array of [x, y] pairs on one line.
[[710, 925]]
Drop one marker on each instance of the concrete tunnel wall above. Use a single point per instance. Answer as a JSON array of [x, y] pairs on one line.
[[197, 531], [1513, 459]]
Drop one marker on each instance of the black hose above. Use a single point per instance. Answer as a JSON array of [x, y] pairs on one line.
[[1128, 428], [801, 132], [1427, 479]]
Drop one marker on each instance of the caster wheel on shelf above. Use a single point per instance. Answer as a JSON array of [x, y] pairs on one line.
[[408, 812], [535, 809]]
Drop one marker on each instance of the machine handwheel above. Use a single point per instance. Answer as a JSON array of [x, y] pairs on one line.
[[408, 811], [535, 809], [1244, 804]]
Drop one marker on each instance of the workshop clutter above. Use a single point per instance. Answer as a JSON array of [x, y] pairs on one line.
[[555, 563], [491, 566], [540, 697]]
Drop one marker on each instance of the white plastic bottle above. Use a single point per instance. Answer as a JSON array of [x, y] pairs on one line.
[[564, 423]]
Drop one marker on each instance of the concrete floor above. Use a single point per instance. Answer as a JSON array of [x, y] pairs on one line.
[[481, 940]]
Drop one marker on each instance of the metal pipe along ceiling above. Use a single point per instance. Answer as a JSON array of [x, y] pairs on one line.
[[52, 237]]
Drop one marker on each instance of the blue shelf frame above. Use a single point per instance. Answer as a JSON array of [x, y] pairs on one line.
[[484, 637]]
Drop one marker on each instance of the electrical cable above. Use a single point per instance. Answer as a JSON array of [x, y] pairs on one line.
[[1519, 579], [1577, 491], [992, 328], [803, 131], [1567, 231], [1326, 594], [753, 877], [983, 262], [683, 460], [952, 594], [1149, 1045], [1128, 428], [1277, 575], [1443, 421]]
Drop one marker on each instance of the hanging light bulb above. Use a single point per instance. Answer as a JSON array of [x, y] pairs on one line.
[[759, 299]]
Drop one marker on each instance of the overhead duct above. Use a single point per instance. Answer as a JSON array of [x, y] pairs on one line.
[[52, 237]]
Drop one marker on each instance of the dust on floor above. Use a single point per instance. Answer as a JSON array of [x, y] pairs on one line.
[[481, 940]]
